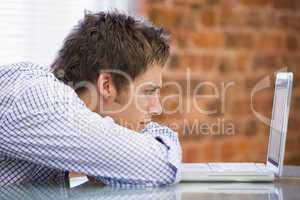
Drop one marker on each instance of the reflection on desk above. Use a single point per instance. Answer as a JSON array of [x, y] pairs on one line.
[[287, 187], [284, 189]]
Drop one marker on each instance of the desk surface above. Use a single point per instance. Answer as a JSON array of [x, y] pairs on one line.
[[287, 187]]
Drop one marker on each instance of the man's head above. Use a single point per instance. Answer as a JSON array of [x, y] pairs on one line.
[[119, 58]]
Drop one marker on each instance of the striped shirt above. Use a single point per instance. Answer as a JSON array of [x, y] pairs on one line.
[[46, 131]]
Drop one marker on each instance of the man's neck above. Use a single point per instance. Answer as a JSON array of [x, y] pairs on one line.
[[85, 96]]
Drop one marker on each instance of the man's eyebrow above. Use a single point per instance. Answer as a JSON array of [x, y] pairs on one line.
[[155, 87]]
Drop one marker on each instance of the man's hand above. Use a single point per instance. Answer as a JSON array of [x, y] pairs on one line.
[[157, 130]]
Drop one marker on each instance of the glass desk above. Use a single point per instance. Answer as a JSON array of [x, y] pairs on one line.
[[287, 187]]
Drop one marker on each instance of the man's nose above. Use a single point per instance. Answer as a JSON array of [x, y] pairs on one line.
[[155, 107]]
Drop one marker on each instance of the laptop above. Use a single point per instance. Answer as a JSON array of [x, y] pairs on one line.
[[252, 172]]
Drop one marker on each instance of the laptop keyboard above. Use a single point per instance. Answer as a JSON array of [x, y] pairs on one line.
[[237, 167]]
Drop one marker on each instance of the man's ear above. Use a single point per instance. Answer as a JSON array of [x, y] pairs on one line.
[[106, 87]]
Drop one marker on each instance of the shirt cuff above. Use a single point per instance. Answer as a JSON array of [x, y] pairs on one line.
[[169, 138]]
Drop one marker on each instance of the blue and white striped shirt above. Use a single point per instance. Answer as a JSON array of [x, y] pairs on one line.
[[46, 131]]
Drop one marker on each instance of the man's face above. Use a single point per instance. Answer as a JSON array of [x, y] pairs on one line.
[[137, 102]]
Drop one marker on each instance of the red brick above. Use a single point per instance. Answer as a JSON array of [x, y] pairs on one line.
[[241, 62], [197, 62], [296, 102], [205, 62], [225, 40], [251, 81], [263, 101], [270, 41], [249, 18], [239, 40], [291, 61], [225, 64], [208, 17], [241, 107], [292, 42], [182, 38], [195, 3], [228, 150], [199, 151], [251, 128], [187, 21], [231, 17], [293, 123], [255, 2], [167, 18], [190, 151], [287, 21], [207, 39], [267, 62], [173, 62], [207, 150], [286, 4]]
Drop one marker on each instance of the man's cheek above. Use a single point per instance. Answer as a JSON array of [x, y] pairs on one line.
[[141, 104]]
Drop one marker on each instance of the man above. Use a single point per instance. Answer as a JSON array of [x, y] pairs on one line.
[[91, 114]]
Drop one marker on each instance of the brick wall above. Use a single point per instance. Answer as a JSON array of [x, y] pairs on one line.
[[228, 46]]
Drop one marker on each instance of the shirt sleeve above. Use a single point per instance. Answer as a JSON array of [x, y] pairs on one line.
[[169, 139], [49, 125]]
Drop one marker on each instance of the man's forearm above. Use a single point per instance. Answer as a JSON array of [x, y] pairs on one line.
[[170, 141]]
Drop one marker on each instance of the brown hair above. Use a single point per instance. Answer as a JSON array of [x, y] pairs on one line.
[[113, 41]]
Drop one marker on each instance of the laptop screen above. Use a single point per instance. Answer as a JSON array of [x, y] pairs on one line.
[[277, 128]]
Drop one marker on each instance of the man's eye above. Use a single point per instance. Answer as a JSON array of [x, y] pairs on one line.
[[150, 92]]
